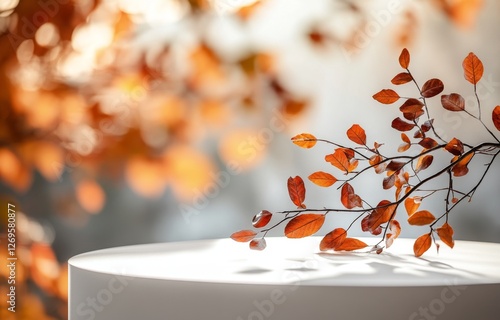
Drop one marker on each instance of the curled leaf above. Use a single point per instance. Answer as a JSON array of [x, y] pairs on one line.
[[349, 198], [386, 96], [473, 68], [432, 88], [424, 162], [445, 233], [421, 218], [422, 244], [412, 204], [304, 140], [261, 219], [394, 232], [243, 235], [381, 214], [333, 239], [455, 147], [453, 102], [304, 225], [350, 244], [258, 244], [357, 134], [322, 179], [297, 191]]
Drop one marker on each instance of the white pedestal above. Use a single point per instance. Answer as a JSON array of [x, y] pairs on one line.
[[290, 280]]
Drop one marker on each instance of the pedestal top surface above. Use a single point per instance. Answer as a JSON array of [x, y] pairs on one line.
[[291, 261]]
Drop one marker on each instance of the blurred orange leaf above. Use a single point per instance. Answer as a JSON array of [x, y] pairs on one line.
[[146, 176], [90, 196]]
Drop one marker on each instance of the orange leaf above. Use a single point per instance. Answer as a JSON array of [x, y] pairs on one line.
[[304, 225], [339, 160], [322, 179], [402, 78], [424, 162], [258, 244], [90, 196], [432, 88], [333, 239], [357, 134], [421, 218], [247, 11], [304, 140], [382, 213], [453, 102], [349, 198], [422, 244], [375, 162], [261, 219], [460, 169], [411, 106], [401, 125], [428, 143], [146, 176], [394, 232], [473, 68], [350, 244], [496, 117], [243, 235], [455, 147], [445, 233], [297, 191], [412, 204], [404, 59], [386, 96]]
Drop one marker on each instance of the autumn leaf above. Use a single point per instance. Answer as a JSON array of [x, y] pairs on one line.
[[432, 88], [389, 181], [386, 96], [402, 125], [304, 140], [243, 235], [350, 244], [339, 160], [455, 147], [402, 78], [453, 102], [421, 218], [381, 214], [365, 226], [428, 143], [297, 191], [424, 162], [393, 233], [333, 239], [395, 165], [404, 59], [412, 204], [258, 244], [322, 179], [261, 219], [304, 225], [445, 233], [422, 244], [460, 168], [411, 106], [377, 164], [90, 196], [496, 117], [427, 125], [473, 68], [349, 198], [357, 134]]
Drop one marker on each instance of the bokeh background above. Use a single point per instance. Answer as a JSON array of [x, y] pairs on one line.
[[126, 122]]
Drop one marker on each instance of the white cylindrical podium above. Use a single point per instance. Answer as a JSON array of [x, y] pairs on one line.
[[291, 279]]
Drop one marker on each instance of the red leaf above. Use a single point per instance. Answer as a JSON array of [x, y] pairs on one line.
[[445, 233], [453, 102], [427, 125], [375, 162], [304, 140], [411, 106], [424, 162], [243, 235], [422, 244], [304, 225], [421, 218], [297, 191], [428, 143], [386, 96], [402, 78], [496, 117], [401, 125], [261, 219], [258, 244], [349, 198], [351, 244], [357, 134], [473, 68], [339, 160], [455, 147], [322, 179], [432, 88], [395, 165], [394, 232], [333, 239], [404, 59], [389, 181], [413, 115]]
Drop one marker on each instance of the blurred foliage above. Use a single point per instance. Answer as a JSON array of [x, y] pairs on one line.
[[131, 91]]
